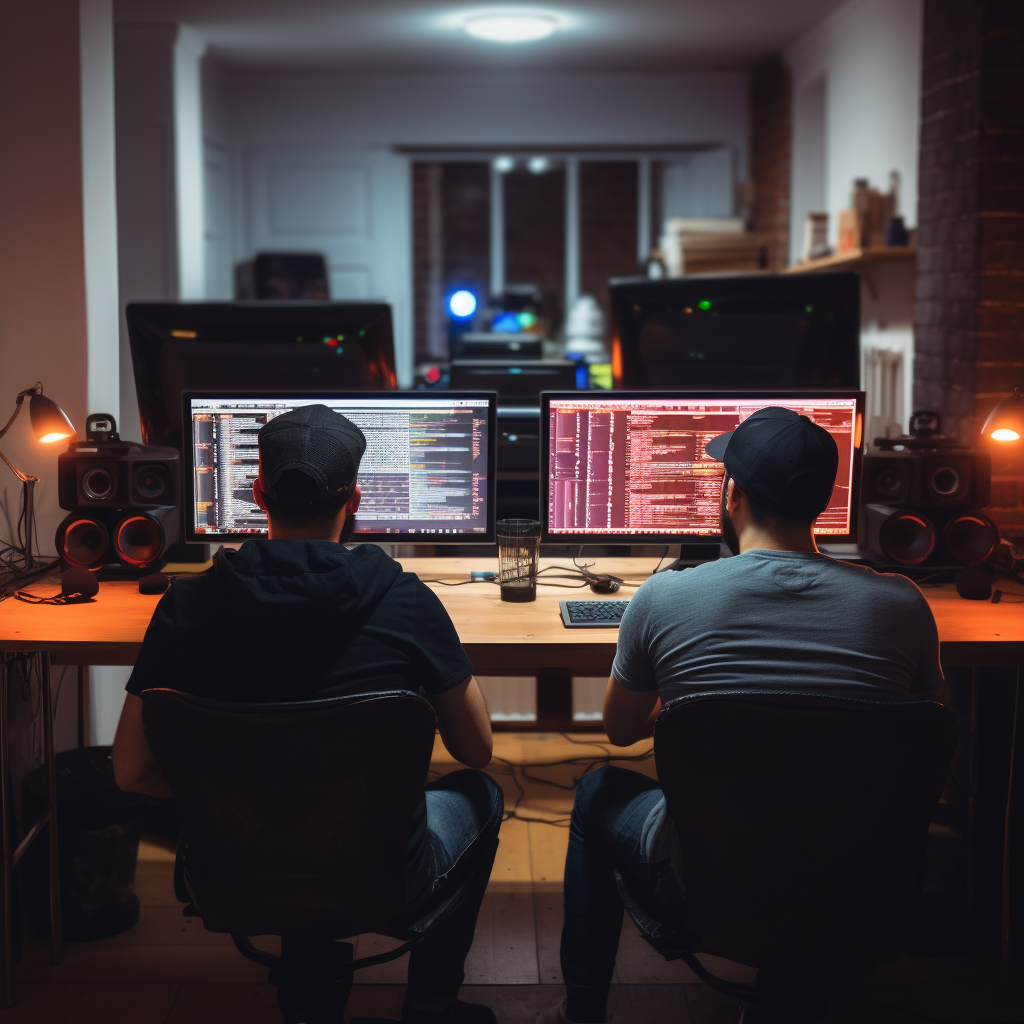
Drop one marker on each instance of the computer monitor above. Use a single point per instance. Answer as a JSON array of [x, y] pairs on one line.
[[258, 346], [630, 467], [427, 475], [743, 331]]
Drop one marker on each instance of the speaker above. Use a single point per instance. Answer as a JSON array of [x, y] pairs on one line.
[[93, 475], [929, 535], [136, 538], [927, 478]]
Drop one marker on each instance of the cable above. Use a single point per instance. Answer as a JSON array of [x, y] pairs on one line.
[[509, 769], [664, 553]]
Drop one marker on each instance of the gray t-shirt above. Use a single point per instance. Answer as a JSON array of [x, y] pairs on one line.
[[781, 619]]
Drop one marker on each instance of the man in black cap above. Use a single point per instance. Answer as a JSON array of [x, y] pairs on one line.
[[297, 617], [780, 613]]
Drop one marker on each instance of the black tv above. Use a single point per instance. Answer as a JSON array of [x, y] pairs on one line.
[[253, 346], [744, 331]]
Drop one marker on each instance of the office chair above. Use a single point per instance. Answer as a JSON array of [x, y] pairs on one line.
[[296, 820], [802, 823]]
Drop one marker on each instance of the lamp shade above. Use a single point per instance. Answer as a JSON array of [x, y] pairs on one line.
[[1006, 421], [49, 421]]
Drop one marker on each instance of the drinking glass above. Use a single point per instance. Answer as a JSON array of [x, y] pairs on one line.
[[518, 547]]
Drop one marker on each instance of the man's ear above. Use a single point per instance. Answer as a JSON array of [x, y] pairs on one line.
[[257, 494], [352, 505], [734, 497]]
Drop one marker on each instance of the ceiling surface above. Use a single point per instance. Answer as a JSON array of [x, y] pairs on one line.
[[408, 36]]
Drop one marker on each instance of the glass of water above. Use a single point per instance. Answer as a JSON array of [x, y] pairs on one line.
[[518, 547]]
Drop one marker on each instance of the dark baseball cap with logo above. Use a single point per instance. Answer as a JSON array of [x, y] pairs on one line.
[[782, 460], [317, 442]]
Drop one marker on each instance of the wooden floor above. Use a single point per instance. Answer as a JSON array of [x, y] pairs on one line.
[[168, 969]]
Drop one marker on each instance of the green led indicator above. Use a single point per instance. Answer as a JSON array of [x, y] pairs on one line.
[[328, 339], [361, 333], [808, 309], [704, 304]]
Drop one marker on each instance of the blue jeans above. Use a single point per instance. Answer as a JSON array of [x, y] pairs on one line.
[[464, 812], [608, 815]]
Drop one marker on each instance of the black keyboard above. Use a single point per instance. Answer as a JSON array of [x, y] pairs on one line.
[[591, 614]]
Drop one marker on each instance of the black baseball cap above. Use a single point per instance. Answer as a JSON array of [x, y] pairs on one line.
[[316, 441], [782, 460]]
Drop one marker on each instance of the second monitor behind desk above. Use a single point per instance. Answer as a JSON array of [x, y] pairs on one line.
[[519, 384]]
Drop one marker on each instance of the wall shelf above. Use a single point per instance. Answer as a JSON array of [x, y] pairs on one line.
[[854, 260]]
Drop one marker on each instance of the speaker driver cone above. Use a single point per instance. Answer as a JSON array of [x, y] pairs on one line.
[[139, 540], [971, 538], [83, 542], [98, 483], [907, 538], [152, 483]]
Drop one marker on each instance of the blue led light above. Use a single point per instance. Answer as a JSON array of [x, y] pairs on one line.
[[506, 323], [462, 304]]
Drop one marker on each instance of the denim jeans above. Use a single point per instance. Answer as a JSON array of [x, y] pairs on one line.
[[608, 815], [464, 812]]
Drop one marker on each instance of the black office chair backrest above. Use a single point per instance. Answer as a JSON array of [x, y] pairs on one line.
[[801, 820], [297, 817]]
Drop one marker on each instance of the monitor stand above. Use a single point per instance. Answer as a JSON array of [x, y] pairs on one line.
[[695, 554]]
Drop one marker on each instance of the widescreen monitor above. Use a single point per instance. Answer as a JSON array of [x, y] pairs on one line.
[[253, 346], [427, 475], [631, 467], [741, 331]]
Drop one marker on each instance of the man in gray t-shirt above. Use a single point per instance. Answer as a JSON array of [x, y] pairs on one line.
[[780, 614]]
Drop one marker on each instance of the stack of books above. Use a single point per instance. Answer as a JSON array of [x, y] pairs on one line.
[[710, 245]]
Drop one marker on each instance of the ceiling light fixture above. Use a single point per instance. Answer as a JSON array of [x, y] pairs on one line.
[[538, 164], [504, 164], [511, 26]]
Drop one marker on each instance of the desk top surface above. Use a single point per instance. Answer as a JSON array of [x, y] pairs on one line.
[[497, 635]]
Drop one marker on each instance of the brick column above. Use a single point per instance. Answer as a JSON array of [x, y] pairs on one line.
[[770, 134], [969, 313]]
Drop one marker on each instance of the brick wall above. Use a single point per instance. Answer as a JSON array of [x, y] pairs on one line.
[[770, 136], [608, 226], [535, 237], [451, 245], [969, 310]]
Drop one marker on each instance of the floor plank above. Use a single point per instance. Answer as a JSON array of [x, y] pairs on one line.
[[42, 1003], [138, 1003], [225, 1004]]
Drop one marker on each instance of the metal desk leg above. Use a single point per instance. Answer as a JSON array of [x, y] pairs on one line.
[[49, 753], [6, 887], [1006, 925], [82, 688]]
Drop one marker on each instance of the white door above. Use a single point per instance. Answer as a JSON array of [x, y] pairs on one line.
[[353, 206]]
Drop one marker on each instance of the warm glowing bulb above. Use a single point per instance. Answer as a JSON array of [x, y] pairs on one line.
[[47, 438], [511, 27], [1005, 434]]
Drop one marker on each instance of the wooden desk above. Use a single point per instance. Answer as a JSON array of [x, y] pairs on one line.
[[500, 639], [497, 636]]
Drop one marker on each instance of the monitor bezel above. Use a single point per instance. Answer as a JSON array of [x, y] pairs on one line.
[[376, 537], [546, 397]]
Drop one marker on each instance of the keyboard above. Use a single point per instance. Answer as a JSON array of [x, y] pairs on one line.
[[591, 614]]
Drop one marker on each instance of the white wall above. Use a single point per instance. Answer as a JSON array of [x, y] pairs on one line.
[[856, 111], [869, 54], [268, 133]]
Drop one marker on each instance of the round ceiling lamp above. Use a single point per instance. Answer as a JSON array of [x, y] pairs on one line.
[[511, 26]]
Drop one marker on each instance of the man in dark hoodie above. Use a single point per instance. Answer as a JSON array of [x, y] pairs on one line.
[[298, 617]]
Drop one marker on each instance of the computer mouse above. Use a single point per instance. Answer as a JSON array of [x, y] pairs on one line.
[[604, 586]]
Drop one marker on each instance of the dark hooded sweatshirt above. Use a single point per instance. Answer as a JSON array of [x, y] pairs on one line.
[[284, 620]]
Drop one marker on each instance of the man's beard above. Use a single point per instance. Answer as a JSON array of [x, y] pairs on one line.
[[347, 529], [732, 540]]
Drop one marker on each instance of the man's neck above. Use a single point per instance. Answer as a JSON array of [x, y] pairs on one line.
[[800, 539]]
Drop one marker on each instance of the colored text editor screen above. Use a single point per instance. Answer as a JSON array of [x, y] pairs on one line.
[[638, 466], [424, 471]]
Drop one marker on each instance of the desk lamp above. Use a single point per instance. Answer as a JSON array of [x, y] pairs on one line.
[[1006, 421], [49, 424]]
